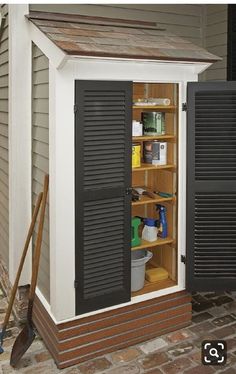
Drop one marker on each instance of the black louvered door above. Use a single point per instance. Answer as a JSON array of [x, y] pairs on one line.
[[211, 186], [103, 133]]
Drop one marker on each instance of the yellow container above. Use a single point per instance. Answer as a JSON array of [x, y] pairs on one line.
[[156, 274], [136, 155]]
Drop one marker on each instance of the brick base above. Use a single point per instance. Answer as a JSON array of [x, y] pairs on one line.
[[21, 301], [83, 339]]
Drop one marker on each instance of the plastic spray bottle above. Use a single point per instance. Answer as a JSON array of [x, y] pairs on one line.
[[162, 231]]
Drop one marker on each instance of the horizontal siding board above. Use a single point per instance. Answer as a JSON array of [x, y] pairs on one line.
[[216, 29], [3, 57], [40, 63], [40, 134], [186, 9], [40, 162], [40, 120], [41, 91], [41, 77], [216, 8], [3, 129], [3, 93], [41, 105], [216, 74], [217, 17], [4, 189], [40, 155]]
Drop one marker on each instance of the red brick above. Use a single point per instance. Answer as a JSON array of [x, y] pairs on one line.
[[94, 366], [125, 355], [178, 336], [177, 366], [153, 360], [201, 369]]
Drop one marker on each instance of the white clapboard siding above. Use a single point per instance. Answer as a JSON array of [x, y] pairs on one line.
[[40, 155], [183, 20], [4, 191], [216, 39]]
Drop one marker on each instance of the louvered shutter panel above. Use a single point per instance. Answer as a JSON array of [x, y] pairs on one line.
[[103, 130], [211, 186]]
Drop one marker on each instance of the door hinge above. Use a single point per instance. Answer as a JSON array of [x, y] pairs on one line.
[[75, 108], [184, 107], [183, 259], [76, 284]]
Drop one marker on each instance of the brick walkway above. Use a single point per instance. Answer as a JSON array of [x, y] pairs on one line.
[[214, 316]]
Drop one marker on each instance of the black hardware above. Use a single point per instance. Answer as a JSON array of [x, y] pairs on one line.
[[128, 191], [183, 259], [184, 107]]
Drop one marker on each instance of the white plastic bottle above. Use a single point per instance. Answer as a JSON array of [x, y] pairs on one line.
[[149, 232]]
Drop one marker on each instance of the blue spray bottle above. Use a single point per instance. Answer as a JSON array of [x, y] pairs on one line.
[[162, 231]]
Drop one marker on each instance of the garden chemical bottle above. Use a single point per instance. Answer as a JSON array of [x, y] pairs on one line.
[[162, 231]]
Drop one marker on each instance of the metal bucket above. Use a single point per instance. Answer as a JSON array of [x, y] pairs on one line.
[[155, 152], [153, 123]]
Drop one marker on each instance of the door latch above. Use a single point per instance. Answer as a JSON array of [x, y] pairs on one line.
[[128, 191]]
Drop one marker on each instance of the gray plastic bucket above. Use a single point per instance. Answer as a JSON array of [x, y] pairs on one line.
[[138, 260]]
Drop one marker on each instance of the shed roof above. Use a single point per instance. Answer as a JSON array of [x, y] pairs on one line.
[[109, 37]]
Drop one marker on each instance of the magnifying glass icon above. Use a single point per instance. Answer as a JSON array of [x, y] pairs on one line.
[[213, 352]]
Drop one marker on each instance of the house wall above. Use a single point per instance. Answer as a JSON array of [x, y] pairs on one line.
[[4, 172], [183, 20], [40, 154], [215, 40]]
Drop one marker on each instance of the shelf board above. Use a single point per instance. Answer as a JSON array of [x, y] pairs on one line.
[[156, 107], [154, 286], [148, 200], [146, 244], [156, 137], [153, 167]]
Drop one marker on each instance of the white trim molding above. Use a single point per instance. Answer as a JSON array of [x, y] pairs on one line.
[[19, 138], [55, 55]]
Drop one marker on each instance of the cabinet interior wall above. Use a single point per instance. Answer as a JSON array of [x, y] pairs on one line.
[[163, 179]]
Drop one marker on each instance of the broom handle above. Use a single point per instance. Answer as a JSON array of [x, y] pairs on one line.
[[37, 250], [26, 246]]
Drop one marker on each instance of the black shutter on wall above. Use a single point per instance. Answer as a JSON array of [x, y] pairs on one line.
[[211, 186], [103, 133]]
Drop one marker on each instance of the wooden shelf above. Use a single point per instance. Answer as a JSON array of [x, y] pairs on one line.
[[146, 244], [148, 200], [154, 286], [153, 167], [156, 137], [156, 107]]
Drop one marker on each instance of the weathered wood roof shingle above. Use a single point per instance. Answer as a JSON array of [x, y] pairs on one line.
[[106, 37]]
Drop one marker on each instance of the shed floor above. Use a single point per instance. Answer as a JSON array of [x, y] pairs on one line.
[[214, 317]]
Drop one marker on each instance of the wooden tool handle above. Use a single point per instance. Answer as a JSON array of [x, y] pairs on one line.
[[26, 246], [37, 250]]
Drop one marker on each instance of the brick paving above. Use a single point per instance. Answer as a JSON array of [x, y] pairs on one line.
[[214, 316]]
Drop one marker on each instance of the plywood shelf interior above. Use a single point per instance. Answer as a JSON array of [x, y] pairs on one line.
[[156, 137], [155, 107], [145, 244], [154, 286], [153, 167], [147, 200]]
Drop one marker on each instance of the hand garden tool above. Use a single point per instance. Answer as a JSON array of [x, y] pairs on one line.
[[23, 256], [27, 335]]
